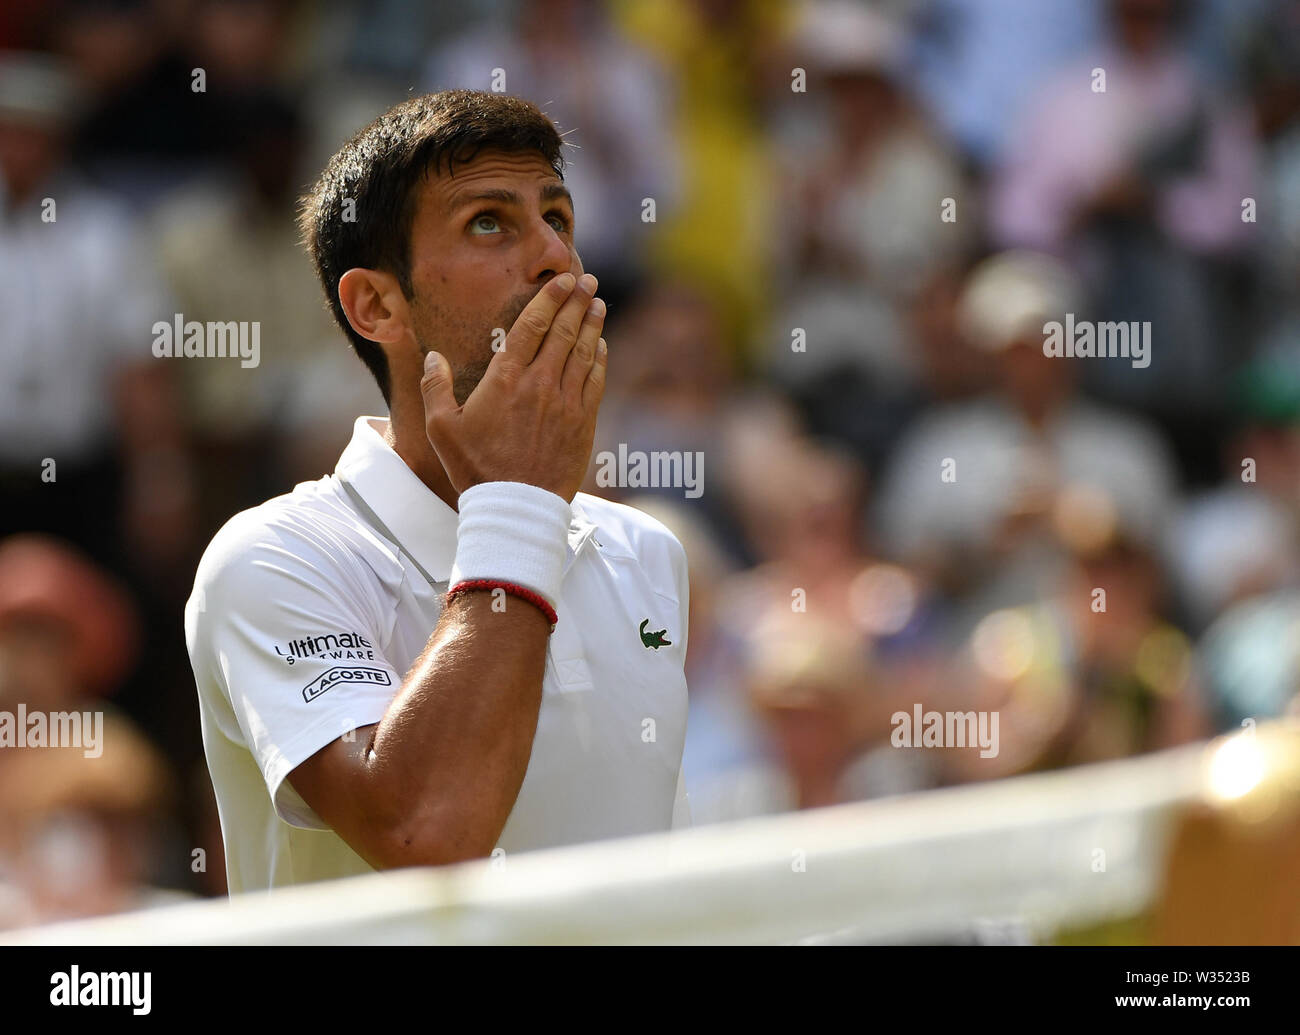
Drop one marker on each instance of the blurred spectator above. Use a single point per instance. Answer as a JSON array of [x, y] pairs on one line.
[[1091, 672], [867, 176], [389, 38], [90, 435], [67, 630], [81, 834], [608, 98], [1270, 62], [230, 251], [1146, 142], [1137, 171], [978, 62], [145, 128], [951, 370], [78, 821], [811, 686], [1251, 659], [1136, 688], [876, 206], [802, 504], [244, 44], [156, 75], [974, 488], [670, 389], [818, 591], [1243, 537], [1274, 68], [1280, 257], [722, 57]]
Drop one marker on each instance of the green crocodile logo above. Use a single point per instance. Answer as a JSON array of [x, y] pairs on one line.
[[653, 639]]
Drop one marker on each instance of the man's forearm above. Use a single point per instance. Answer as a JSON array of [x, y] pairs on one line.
[[446, 762]]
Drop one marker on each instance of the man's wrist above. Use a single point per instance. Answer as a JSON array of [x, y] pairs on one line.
[[512, 532]]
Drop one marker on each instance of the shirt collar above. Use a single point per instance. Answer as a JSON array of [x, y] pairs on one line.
[[581, 530], [422, 523]]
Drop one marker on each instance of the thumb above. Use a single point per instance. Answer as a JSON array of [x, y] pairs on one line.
[[435, 385]]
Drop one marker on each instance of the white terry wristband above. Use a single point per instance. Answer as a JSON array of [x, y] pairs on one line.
[[513, 532]]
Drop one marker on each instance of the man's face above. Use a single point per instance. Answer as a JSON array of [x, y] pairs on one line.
[[483, 242]]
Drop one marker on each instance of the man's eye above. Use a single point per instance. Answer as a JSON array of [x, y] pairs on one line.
[[560, 222], [483, 225]]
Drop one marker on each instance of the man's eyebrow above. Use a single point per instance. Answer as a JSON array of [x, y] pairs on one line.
[[549, 192], [552, 191]]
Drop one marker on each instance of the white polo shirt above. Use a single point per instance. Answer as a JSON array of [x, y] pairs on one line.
[[306, 616]]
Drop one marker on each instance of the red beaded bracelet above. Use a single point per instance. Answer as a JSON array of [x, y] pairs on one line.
[[523, 592]]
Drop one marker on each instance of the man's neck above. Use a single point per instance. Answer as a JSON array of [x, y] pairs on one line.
[[410, 442]]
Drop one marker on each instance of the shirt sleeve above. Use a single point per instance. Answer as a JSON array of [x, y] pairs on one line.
[[285, 630]]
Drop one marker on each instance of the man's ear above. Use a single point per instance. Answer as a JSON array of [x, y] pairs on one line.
[[375, 305]]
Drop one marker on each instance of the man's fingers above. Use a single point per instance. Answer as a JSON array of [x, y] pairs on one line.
[[594, 389], [436, 388], [583, 355], [530, 328], [560, 339]]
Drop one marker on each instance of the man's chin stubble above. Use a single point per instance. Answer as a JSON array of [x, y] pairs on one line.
[[466, 379]]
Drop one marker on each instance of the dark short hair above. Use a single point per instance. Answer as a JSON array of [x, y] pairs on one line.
[[377, 171]]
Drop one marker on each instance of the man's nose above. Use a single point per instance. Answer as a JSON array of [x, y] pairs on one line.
[[553, 256]]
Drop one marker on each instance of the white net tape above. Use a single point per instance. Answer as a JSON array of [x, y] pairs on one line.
[[1039, 852]]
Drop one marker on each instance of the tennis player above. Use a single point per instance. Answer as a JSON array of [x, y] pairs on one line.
[[443, 650]]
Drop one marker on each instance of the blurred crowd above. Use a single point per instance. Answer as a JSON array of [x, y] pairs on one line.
[[830, 234]]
